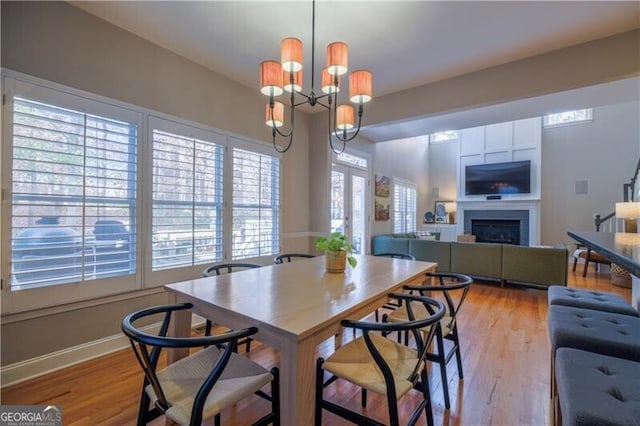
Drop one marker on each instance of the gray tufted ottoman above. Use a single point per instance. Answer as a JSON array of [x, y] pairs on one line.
[[596, 389], [596, 300], [594, 331]]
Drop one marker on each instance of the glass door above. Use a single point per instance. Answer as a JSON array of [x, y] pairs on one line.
[[349, 204]]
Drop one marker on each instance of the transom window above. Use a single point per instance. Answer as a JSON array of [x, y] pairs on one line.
[[444, 136], [568, 117]]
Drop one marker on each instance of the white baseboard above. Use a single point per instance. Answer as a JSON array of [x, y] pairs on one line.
[[38, 366]]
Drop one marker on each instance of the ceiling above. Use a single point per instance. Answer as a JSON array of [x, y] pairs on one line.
[[404, 43]]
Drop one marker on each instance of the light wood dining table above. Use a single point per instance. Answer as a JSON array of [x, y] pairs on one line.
[[296, 306]]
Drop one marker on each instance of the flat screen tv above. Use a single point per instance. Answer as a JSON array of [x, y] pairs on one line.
[[498, 178]]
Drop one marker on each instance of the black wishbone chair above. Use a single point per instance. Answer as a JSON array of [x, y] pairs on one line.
[[288, 257], [454, 289], [202, 384], [227, 268], [383, 365], [391, 305]]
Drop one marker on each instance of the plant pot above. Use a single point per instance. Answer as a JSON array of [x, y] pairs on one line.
[[336, 261]]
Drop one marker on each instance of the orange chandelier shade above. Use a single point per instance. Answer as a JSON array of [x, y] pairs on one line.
[[291, 54], [337, 58], [274, 117], [345, 117], [360, 86], [271, 78], [329, 83], [296, 86]]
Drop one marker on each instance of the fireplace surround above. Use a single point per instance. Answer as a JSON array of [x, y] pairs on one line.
[[498, 226]]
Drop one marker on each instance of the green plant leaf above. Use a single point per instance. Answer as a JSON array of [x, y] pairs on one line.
[[352, 261]]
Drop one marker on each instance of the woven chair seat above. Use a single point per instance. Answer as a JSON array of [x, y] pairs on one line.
[[354, 362], [400, 315], [181, 381]]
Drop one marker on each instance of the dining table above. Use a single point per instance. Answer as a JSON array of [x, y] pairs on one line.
[[295, 306]]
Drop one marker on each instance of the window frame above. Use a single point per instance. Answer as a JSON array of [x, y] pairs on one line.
[[64, 297], [588, 119], [36, 297], [235, 142]]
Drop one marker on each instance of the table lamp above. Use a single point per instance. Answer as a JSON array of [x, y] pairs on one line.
[[451, 209], [628, 210]]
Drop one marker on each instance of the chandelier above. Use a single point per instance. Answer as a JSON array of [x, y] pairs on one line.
[[286, 76]]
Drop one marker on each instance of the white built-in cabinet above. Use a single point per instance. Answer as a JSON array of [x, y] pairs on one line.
[[448, 231], [501, 142]]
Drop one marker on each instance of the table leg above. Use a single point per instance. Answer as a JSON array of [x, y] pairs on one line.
[[180, 326], [297, 381]]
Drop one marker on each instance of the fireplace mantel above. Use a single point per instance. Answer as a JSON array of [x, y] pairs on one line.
[[532, 206]]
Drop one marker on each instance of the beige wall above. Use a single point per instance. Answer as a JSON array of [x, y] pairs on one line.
[[603, 152], [407, 160], [63, 44]]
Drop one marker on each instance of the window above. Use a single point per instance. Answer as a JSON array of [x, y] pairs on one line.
[[73, 195], [445, 136], [256, 204], [80, 221], [187, 211], [404, 207], [352, 160], [568, 117]]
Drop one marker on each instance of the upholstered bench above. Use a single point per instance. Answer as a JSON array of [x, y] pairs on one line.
[[594, 331], [587, 299], [596, 389]]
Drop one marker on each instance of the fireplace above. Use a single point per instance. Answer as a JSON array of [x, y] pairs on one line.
[[498, 226], [496, 231]]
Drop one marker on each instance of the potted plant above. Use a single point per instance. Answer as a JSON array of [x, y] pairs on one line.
[[337, 252]]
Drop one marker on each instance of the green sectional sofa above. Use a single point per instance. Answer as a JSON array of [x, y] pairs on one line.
[[539, 266]]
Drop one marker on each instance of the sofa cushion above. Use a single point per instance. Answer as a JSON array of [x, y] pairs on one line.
[[587, 299], [477, 259], [534, 265], [596, 389], [432, 251]]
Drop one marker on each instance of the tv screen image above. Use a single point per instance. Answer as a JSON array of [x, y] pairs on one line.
[[513, 177]]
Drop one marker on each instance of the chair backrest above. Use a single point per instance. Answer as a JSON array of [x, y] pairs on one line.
[[147, 348], [436, 311], [396, 255], [227, 268], [287, 257], [454, 288]]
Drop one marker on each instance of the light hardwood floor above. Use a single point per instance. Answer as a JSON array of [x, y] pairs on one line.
[[505, 349]]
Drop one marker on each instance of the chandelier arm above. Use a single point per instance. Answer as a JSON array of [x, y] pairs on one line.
[[332, 111], [274, 129], [276, 146]]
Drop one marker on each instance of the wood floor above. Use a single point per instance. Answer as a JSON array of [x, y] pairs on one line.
[[505, 356]]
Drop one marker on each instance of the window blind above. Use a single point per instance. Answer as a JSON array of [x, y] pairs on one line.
[[404, 207], [73, 195], [256, 204], [187, 201]]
